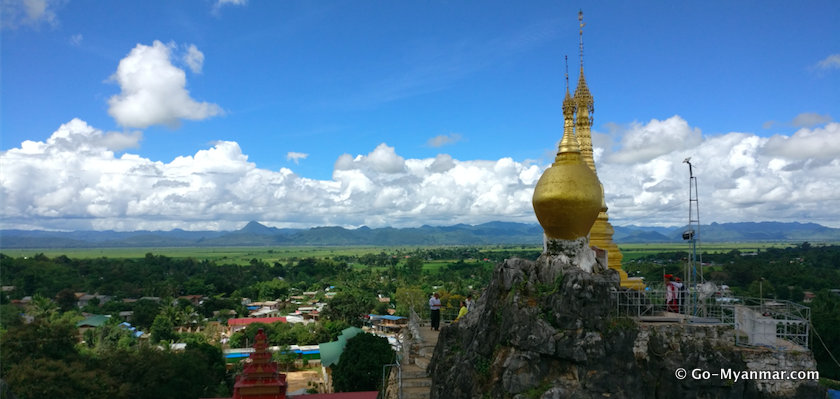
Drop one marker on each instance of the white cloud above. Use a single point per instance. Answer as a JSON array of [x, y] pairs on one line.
[[645, 142], [82, 183], [154, 91], [220, 3], [809, 119], [820, 143], [32, 13], [741, 177], [76, 39], [805, 119], [830, 62], [382, 159], [194, 58], [77, 135], [442, 163], [443, 139], [295, 156], [232, 2]]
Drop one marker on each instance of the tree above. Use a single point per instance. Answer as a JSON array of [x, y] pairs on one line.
[[10, 316], [162, 329], [271, 290], [42, 307], [414, 267], [215, 364], [825, 318], [410, 297], [92, 306], [381, 308], [216, 303], [145, 312], [245, 338], [328, 330], [360, 366], [50, 378], [285, 357], [160, 374], [761, 289], [39, 339], [349, 306], [66, 300]]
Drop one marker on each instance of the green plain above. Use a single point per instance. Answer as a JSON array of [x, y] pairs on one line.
[[227, 255], [635, 251], [244, 255]]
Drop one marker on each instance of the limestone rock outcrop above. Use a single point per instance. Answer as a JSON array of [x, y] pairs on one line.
[[544, 329]]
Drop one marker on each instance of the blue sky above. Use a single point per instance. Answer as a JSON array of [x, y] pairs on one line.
[[245, 110]]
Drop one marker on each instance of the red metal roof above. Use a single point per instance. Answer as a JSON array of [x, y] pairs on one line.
[[341, 395], [248, 320]]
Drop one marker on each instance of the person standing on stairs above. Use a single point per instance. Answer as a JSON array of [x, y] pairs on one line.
[[434, 306]]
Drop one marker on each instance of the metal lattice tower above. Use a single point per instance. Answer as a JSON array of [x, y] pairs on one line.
[[692, 235]]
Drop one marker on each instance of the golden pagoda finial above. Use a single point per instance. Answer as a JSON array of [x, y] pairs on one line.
[[569, 143], [582, 95], [569, 105], [580, 21], [567, 73]]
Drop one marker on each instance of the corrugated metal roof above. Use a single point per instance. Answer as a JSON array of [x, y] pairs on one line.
[[96, 320], [248, 320], [330, 352], [350, 332], [385, 317]]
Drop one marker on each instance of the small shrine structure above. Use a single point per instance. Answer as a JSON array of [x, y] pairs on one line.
[[260, 378]]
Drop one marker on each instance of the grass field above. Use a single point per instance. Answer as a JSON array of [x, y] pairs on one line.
[[243, 255], [231, 255], [635, 251]]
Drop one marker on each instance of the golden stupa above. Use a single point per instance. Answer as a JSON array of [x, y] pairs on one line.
[[602, 231], [569, 198], [568, 195]]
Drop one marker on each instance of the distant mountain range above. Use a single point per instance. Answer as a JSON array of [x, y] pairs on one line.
[[256, 234]]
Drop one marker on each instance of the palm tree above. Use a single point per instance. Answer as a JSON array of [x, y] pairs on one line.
[[42, 307]]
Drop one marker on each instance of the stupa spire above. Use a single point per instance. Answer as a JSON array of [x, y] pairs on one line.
[[585, 107], [567, 75], [569, 142], [602, 231], [580, 22], [568, 103]]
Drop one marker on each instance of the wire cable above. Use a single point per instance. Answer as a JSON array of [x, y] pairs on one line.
[[823, 344]]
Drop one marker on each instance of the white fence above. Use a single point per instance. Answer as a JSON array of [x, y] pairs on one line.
[[776, 324]]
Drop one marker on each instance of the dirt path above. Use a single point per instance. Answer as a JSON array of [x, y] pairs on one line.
[[300, 379]]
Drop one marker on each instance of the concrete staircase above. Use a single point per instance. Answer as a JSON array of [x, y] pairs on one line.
[[425, 348], [416, 383]]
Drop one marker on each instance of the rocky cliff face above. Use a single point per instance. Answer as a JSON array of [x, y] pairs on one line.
[[543, 330]]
